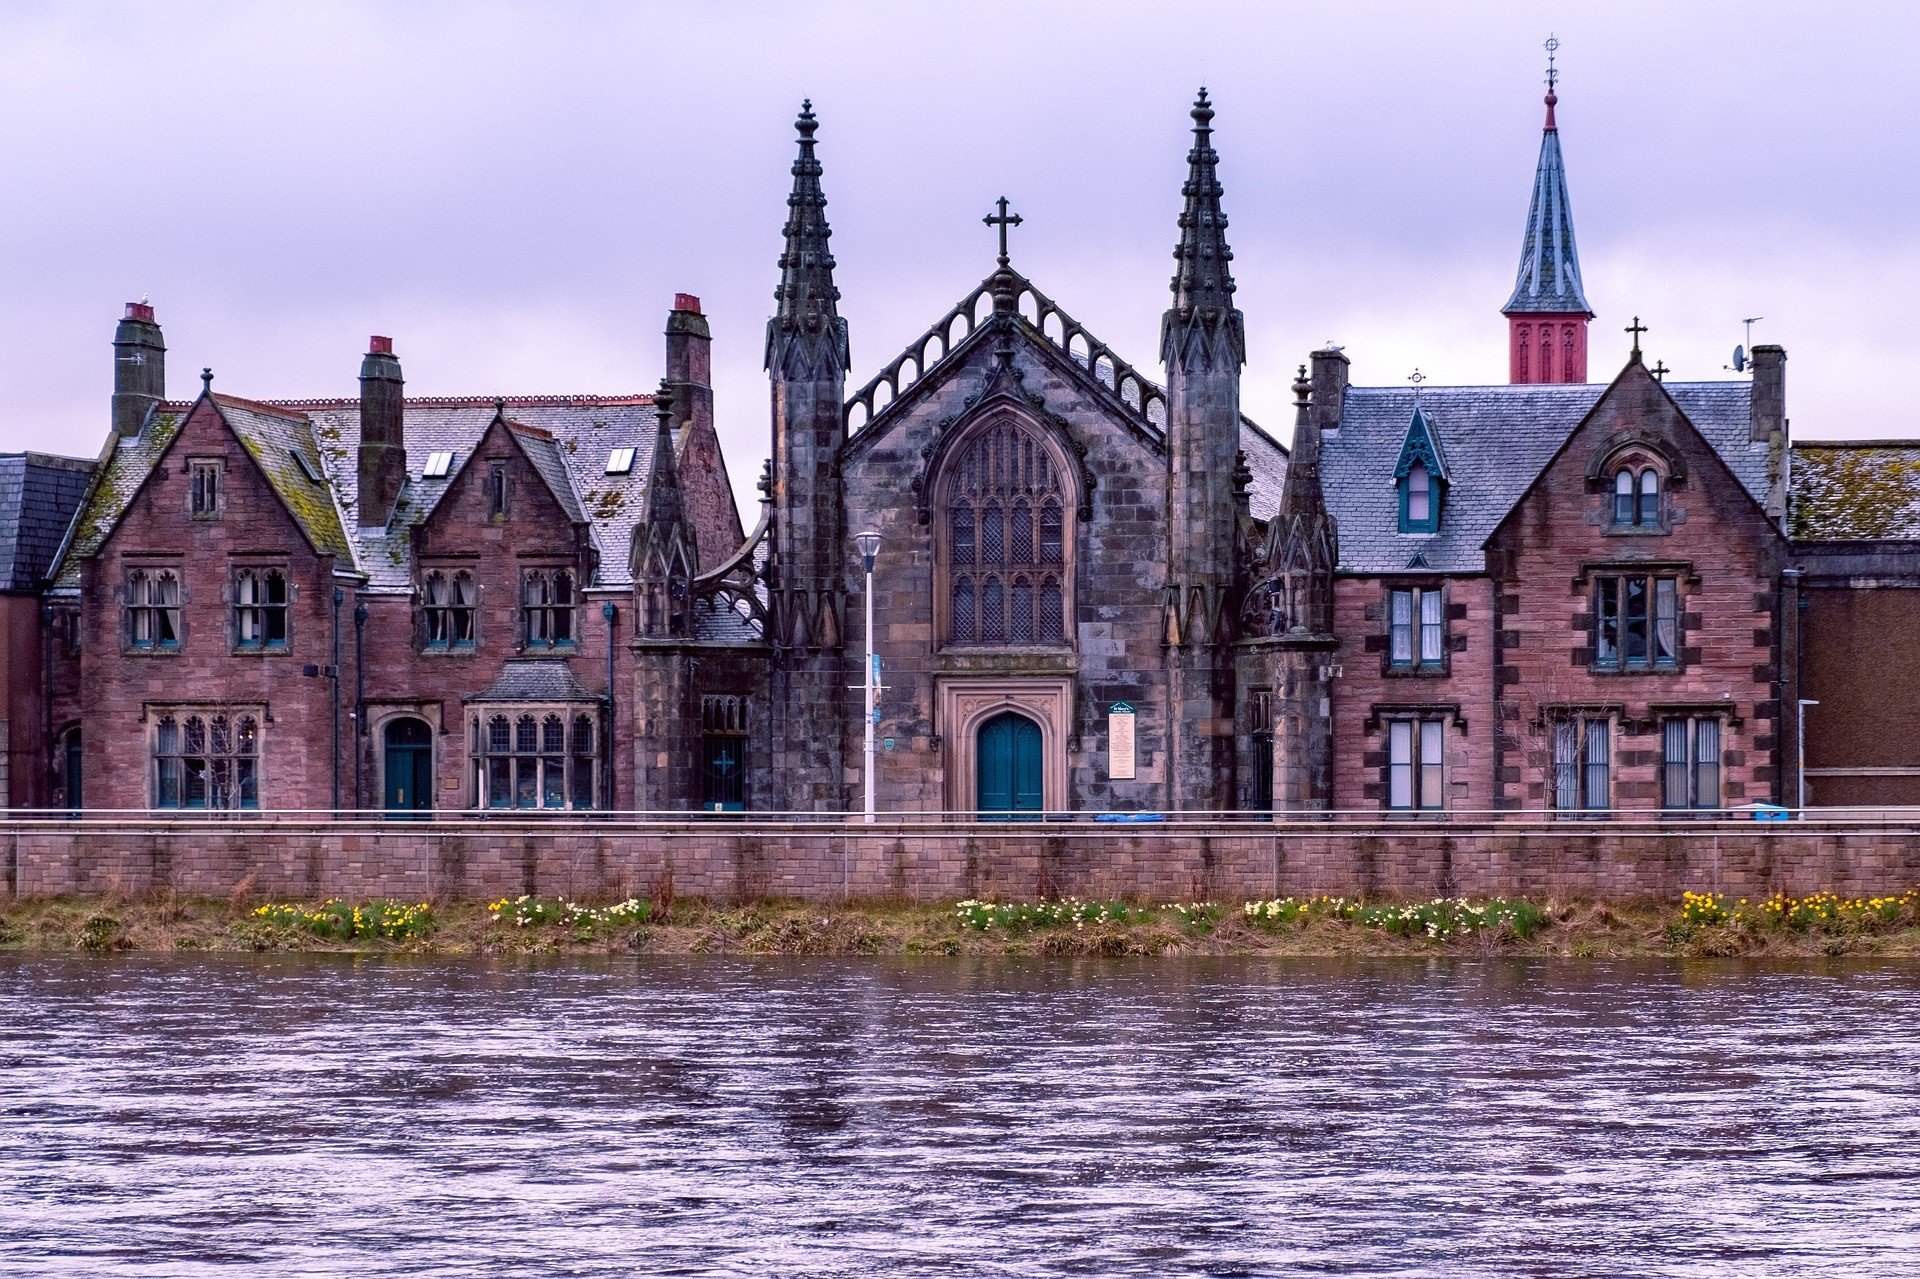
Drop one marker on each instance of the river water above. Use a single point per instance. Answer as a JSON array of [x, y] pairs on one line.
[[320, 1115]]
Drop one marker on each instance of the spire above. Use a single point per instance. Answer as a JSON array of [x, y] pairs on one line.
[[1202, 281], [1549, 277], [806, 329], [1300, 492], [663, 504]]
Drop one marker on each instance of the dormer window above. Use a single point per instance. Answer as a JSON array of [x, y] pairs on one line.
[[1420, 476]]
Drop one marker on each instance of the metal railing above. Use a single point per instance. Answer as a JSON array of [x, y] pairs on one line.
[[1095, 823]]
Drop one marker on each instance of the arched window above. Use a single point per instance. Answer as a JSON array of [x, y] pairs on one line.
[[153, 609], [1636, 496], [1005, 525], [206, 761], [1623, 497], [546, 608], [1419, 494], [259, 608], [447, 603], [541, 757]]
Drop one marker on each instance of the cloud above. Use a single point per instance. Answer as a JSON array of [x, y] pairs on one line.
[[515, 192]]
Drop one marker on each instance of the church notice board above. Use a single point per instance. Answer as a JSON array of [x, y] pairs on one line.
[[1120, 741]]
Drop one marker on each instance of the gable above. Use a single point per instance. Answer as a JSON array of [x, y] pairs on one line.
[[1498, 440], [256, 445], [460, 519], [1635, 408], [1636, 415]]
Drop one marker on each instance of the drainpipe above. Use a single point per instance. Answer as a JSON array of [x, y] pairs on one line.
[[333, 674], [608, 613], [46, 700], [359, 694]]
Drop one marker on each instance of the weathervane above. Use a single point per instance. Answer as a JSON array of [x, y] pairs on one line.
[[1551, 46], [1003, 220]]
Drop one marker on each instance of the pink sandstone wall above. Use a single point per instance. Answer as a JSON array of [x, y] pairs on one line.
[[728, 861]]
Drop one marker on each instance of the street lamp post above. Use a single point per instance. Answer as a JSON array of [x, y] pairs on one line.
[[869, 544], [1800, 743]]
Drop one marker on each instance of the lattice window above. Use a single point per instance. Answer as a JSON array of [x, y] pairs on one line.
[[153, 609], [448, 605], [259, 608], [206, 759], [546, 608], [535, 758], [1005, 572]]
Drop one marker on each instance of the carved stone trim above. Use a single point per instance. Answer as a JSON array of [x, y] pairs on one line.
[[963, 703]]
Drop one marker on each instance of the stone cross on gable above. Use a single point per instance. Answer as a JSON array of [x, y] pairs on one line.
[[1636, 328], [1003, 220]]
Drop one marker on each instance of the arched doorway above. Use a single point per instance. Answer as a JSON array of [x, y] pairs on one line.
[[1008, 769], [71, 798], [409, 766]]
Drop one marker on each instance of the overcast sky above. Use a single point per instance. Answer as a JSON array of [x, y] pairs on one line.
[[514, 192]]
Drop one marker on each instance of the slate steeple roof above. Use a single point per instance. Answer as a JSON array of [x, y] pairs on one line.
[[1549, 276], [1202, 280]]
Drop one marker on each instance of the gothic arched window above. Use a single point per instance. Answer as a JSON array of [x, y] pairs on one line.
[[1006, 536]]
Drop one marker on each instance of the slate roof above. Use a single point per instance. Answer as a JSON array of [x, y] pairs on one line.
[[567, 438], [1498, 439], [1855, 491], [1549, 276], [38, 495], [534, 679]]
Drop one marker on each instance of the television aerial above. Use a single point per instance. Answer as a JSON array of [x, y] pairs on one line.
[[1740, 356]]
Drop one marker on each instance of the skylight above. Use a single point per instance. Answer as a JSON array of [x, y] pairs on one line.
[[306, 467], [619, 461], [438, 464]]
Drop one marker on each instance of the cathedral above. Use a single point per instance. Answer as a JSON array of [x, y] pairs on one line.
[[1091, 591]]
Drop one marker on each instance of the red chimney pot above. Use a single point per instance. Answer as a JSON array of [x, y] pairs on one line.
[[686, 302], [377, 345], [140, 311]]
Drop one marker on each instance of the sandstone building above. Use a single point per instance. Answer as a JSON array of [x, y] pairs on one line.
[[1094, 590]]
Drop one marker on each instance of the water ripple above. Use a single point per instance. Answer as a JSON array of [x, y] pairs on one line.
[[319, 1115]]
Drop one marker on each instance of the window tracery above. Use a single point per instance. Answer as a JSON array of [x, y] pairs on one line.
[[1006, 578]]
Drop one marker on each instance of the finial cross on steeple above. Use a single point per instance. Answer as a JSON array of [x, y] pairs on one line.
[[1552, 46], [1416, 377], [1003, 220], [1660, 371], [1636, 328]]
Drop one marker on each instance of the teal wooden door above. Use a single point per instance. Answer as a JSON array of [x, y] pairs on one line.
[[1007, 759], [409, 767]]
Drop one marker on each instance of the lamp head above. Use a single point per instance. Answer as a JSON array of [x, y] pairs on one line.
[[869, 544]]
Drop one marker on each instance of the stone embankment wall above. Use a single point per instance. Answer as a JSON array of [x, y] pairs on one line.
[[736, 860]]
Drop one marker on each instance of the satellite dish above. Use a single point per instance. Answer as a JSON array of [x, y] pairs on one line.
[[1739, 359]]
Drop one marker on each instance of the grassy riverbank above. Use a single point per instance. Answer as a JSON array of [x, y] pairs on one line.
[[1700, 926]]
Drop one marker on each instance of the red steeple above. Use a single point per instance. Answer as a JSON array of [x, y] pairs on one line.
[[1547, 315]]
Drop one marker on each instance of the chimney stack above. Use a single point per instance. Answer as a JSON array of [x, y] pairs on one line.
[[383, 449], [1329, 388], [1769, 413], [689, 363], [139, 368]]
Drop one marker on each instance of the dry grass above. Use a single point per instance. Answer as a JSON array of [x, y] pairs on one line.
[[1584, 930]]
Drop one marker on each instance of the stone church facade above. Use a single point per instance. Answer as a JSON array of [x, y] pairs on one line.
[[1093, 591]]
